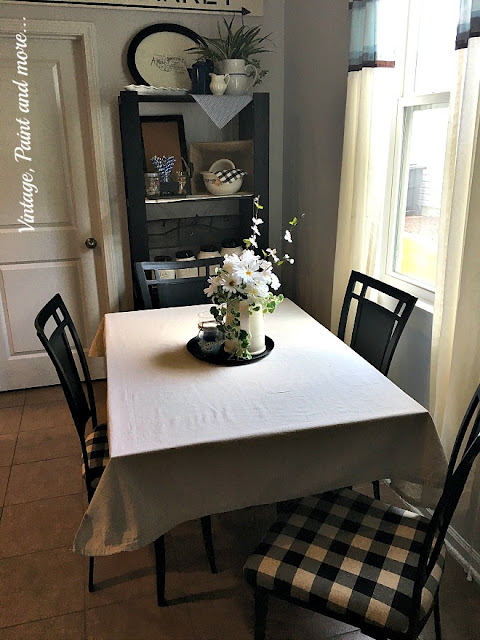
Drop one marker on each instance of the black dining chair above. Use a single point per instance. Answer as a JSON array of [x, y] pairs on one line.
[[158, 289], [54, 319], [361, 561], [376, 327]]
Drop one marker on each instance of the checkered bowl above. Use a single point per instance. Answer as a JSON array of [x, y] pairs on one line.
[[217, 188]]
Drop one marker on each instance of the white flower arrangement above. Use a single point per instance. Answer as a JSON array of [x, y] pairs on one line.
[[246, 277]]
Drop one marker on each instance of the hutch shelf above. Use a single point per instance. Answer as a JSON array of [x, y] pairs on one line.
[[174, 222]]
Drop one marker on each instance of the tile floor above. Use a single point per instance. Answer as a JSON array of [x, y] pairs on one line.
[[43, 584]]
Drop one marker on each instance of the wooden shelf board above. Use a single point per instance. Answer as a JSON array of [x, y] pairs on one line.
[[199, 196]]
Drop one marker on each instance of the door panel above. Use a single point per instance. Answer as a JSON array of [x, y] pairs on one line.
[[52, 258], [35, 283]]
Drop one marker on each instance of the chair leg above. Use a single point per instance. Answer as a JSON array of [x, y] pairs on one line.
[[91, 586], [207, 541], [436, 617], [376, 489], [159, 546], [261, 608]]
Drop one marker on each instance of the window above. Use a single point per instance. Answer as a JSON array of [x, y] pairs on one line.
[[425, 70]]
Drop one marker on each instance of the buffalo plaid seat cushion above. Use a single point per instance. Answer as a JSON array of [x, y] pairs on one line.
[[349, 554], [97, 453]]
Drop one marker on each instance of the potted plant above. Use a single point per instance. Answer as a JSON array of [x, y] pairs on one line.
[[234, 52]]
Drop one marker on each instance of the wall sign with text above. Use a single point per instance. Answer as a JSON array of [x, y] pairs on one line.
[[253, 7]]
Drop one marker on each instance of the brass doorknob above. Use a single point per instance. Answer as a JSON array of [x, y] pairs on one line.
[[91, 243]]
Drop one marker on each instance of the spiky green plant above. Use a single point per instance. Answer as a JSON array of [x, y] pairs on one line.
[[242, 44]]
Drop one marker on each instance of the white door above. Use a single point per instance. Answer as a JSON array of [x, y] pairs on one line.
[[50, 199]]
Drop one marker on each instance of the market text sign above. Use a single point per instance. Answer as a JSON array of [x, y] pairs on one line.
[[253, 7]]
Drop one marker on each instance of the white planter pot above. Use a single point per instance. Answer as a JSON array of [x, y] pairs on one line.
[[240, 76], [253, 324]]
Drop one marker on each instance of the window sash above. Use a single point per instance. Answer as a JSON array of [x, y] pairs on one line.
[[396, 197]]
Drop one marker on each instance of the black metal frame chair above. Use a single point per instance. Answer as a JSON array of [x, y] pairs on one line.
[[173, 292], [94, 446], [376, 329], [272, 568]]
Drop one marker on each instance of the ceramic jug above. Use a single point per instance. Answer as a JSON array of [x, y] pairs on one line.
[[219, 83], [199, 75], [240, 76]]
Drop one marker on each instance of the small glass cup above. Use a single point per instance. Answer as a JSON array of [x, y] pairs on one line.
[[210, 339], [152, 185], [182, 182]]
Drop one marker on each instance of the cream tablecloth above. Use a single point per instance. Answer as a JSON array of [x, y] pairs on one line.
[[189, 439]]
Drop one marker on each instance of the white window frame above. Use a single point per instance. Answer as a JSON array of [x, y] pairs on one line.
[[406, 82]]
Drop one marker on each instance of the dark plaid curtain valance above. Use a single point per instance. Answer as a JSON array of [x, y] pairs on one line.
[[468, 23], [370, 34]]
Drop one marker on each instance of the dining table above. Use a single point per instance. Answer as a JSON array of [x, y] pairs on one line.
[[189, 438]]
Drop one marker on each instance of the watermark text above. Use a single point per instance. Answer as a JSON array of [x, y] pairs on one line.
[[23, 151]]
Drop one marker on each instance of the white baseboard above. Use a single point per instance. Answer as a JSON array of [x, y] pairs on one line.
[[464, 554], [457, 546]]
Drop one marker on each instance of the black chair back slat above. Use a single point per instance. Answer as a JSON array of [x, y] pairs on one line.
[[57, 344], [468, 438], [158, 292], [76, 399], [376, 329], [372, 345]]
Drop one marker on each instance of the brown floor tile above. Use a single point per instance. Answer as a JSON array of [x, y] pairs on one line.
[[216, 617], [123, 576], [68, 627], [44, 394], [193, 575], [44, 479], [10, 419], [100, 390], [46, 416], [12, 398], [286, 621], [7, 449], [40, 585], [4, 475], [43, 444], [40, 525], [139, 619]]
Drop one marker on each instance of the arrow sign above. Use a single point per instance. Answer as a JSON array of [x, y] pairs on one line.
[[243, 7]]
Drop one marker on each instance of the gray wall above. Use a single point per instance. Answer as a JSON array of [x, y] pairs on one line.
[[114, 30], [316, 57]]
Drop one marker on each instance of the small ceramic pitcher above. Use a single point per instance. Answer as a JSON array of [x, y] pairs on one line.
[[219, 83]]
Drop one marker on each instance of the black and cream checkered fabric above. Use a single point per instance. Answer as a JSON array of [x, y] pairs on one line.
[[349, 554], [230, 175], [97, 453]]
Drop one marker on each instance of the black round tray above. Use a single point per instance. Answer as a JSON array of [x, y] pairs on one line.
[[223, 358]]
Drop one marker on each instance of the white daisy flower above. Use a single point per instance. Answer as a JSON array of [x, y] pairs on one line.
[[256, 291], [275, 282], [230, 283]]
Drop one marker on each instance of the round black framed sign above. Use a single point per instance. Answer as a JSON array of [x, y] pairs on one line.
[[157, 56]]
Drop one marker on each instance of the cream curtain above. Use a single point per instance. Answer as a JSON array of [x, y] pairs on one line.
[[455, 370], [455, 366], [370, 109], [455, 336]]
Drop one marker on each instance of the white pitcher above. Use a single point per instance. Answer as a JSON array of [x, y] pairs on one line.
[[219, 83], [239, 73]]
